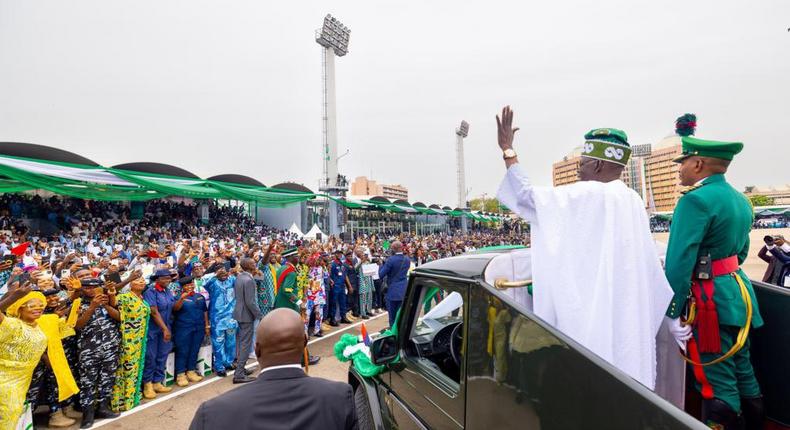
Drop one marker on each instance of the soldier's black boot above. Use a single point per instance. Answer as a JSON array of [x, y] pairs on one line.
[[104, 411], [87, 418], [717, 414], [753, 412]]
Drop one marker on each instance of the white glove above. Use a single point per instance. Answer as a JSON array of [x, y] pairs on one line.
[[681, 333]]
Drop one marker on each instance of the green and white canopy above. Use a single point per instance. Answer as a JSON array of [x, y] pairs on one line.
[[25, 167]]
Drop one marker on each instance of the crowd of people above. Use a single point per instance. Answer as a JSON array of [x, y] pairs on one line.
[[771, 223], [94, 307]]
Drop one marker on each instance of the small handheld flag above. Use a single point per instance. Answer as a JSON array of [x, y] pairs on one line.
[[364, 333], [20, 249]]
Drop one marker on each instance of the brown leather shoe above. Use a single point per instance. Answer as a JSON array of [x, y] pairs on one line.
[[58, 419], [159, 388]]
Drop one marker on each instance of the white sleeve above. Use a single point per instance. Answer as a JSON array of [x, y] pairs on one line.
[[516, 193]]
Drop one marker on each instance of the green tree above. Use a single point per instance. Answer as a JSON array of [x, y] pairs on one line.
[[761, 200], [485, 205]]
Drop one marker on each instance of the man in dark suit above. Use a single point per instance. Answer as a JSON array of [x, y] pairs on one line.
[[283, 396], [395, 270], [245, 313]]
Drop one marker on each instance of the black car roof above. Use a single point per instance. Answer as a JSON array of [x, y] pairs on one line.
[[471, 265]]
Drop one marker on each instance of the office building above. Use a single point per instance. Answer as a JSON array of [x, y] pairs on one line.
[[362, 187], [567, 171]]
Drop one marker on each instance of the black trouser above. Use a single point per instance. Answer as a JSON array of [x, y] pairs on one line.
[[378, 300], [353, 299]]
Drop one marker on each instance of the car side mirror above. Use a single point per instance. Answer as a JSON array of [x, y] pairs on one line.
[[384, 349]]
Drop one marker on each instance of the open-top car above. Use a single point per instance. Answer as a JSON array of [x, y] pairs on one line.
[[469, 354]]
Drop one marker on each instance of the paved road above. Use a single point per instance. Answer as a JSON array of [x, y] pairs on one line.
[[175, 410]]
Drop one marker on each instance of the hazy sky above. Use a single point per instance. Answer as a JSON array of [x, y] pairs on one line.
[[235, 86]]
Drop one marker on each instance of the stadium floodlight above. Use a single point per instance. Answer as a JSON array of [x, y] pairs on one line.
[[460, 133], [463, 130], [334, 35]]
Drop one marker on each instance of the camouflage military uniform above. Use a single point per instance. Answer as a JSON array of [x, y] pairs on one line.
[[43, 388], [98, 343]]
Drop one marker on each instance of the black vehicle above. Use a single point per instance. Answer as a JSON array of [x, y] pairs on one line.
[[467, 356]]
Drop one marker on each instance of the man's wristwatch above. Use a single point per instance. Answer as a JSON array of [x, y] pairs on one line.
[[508, 154]]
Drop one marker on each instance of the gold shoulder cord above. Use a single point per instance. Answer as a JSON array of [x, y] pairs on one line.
[[743, 333]]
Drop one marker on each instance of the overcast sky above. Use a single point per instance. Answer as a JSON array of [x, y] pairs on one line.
[[235, 86]]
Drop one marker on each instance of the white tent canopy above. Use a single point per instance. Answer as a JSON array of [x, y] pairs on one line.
[[314, 232], [295, 229]]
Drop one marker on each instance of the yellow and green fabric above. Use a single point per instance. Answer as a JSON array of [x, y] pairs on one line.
[[126, 392]]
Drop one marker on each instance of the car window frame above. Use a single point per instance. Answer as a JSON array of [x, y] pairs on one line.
[[451, 388]]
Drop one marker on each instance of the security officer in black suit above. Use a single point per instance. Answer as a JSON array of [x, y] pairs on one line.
[[283, 396]]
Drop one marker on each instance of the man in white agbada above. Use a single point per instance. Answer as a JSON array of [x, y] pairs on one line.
[[595, 270]]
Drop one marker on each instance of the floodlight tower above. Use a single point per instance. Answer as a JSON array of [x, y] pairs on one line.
[[460, 133], [333, 37]]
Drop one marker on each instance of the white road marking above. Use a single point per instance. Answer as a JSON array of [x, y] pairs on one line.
[[213, 379]]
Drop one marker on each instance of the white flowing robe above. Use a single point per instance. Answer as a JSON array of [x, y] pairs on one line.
[[596, 274]]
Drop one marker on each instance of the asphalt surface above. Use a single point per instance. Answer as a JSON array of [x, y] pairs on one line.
[[176, 409]]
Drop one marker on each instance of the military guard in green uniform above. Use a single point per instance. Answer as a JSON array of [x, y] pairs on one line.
[[287, 294], [709, 240]]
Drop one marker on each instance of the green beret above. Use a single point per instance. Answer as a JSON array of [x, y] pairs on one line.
[[607, 144], [708, 148], [290, 251]]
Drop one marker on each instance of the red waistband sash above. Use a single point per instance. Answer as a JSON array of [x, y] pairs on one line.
[[284, 273], [707, 318]]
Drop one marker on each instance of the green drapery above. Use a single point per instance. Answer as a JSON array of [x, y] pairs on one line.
[[79, 189], [100, 183]]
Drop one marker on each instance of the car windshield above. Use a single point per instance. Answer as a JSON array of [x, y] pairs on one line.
[[447, 305], [439, 308]]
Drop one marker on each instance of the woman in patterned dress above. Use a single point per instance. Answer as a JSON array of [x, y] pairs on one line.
[[316, 295], [303, 284], [366, 287], [134, 311], [22, 342]]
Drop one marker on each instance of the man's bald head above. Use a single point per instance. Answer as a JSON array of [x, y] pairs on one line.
[[248, 264], [280, 338], [396, 246]]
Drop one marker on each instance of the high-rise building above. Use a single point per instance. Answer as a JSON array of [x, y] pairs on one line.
[[634, 173], [567, 171], [661, 173], [364, 187]]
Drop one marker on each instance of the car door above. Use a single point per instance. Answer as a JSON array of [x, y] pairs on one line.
[[427, 388], [524, 374]]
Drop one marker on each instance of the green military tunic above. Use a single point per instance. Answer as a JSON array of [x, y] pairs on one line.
[[714, 218], [287, 294]]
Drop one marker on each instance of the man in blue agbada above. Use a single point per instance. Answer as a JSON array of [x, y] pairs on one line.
[[222, 301]]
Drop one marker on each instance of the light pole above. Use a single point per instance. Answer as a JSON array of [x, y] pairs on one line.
[[460, 133], [333, 37]]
